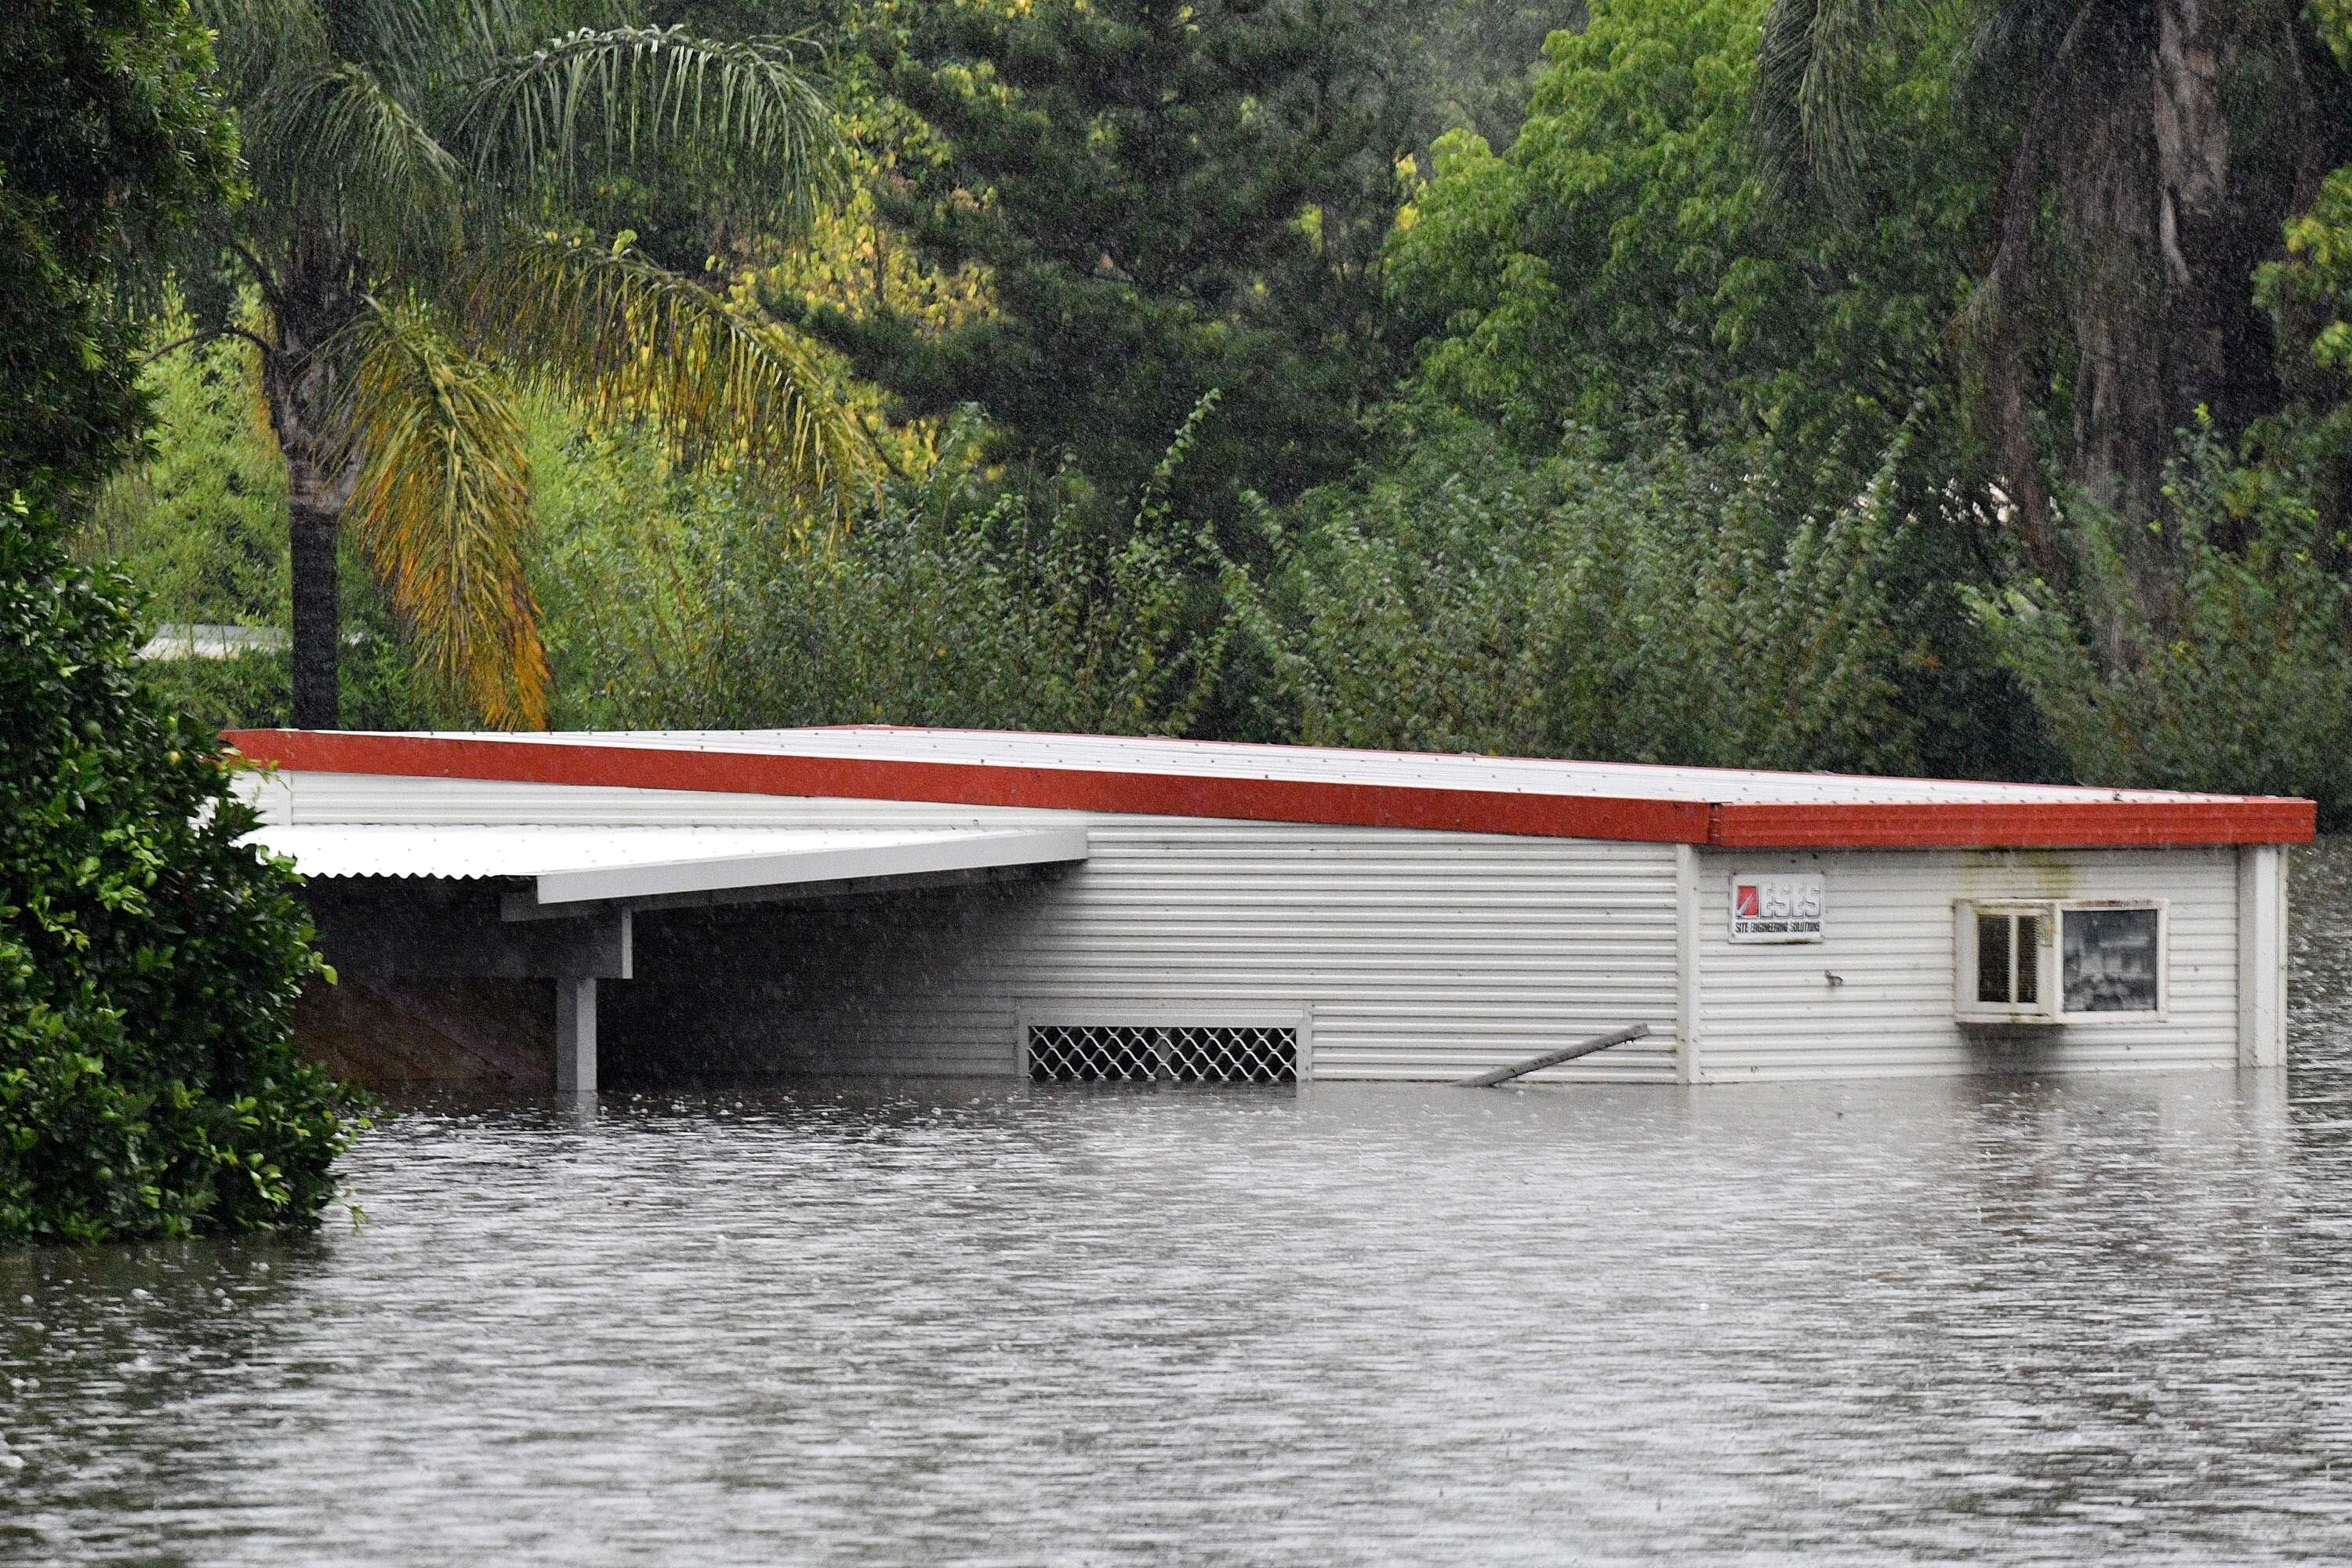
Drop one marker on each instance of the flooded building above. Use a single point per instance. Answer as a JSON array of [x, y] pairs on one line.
[[544, 907]]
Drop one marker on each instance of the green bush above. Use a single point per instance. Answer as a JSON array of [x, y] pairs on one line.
[[946, 603], [1650, 610], [2238, 679], [200, 520], [148, 966], [1644, 610]]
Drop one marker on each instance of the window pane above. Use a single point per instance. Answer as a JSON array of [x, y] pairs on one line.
[[1992, 957], [2110, 960], [2029, 935]]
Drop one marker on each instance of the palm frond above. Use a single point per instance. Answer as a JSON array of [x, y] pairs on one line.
[[442, 509], [600, 100], [1810, 65], [719, 381], [339, 134], [441, 42], [257, 41]]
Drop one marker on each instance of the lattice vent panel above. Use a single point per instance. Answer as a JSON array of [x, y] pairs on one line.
[[1176, 1053]]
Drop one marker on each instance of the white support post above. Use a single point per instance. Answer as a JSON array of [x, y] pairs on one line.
[[2261, 955], [1687, 950], [575, 1036]]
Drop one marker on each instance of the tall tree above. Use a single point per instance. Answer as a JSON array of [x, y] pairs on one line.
[[441, 192], [1167, 198], [2151, 151]]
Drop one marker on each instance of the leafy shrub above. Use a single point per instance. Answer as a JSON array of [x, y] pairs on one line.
[[2239, 679], [946, 603], [256, 691], [201, 518], [148, 966], [1649, 610]]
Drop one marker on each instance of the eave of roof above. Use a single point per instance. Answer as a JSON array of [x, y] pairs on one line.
[[571, 864], [2062, 819]]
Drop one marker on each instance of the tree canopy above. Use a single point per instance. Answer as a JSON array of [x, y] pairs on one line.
[[2025, 321], [1166, 200], [439, 212], [113, 133]]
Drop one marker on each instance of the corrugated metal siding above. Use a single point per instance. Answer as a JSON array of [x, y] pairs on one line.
[[1412, 955], [1420, 954], [1768, 1012]]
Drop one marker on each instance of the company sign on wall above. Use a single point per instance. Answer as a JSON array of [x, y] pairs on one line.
[[1777, 906]]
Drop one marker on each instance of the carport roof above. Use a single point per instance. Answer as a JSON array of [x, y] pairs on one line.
[[1733, 808], [570, 865]]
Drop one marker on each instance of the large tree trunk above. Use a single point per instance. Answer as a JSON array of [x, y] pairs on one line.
[[2219, 208], [307, 380], [2179, 166], [2190, 142], [2123, 428]]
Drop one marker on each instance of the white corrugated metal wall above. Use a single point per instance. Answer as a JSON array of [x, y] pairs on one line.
[[1408, 954], [1772, 1012], [1412, 954]]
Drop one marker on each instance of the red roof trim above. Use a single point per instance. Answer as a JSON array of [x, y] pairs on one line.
[[2073, 825], [2086, 824]]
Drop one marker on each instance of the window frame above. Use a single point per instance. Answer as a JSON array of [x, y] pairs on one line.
[[2051, 1010]]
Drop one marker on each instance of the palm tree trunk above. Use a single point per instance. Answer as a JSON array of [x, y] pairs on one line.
[[317, 520], [305, 378]]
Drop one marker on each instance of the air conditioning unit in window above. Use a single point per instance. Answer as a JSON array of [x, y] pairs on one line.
[[2059, 961]]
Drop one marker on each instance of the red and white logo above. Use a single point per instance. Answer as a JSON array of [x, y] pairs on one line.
[[1747, 902]]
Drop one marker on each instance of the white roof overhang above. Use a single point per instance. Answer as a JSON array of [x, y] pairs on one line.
[[571, 867]]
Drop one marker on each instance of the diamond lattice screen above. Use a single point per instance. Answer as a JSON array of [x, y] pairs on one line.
[[1179, 1053]]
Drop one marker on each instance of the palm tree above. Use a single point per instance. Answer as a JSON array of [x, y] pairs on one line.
[[439, 195], [2152, 150]]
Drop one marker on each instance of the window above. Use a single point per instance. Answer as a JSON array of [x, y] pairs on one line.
[[2113, 957], [2008, 957], [2059, 961]]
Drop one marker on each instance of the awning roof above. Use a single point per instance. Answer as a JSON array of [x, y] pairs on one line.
[[578, 864]]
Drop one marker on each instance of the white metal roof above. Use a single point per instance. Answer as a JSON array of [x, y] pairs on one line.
[[572, 864], [1724, 808], [1152, 755]]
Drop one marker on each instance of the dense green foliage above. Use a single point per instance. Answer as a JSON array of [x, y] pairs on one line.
[[949, 603], [1478, 602], [149, 964], [110, 133], [1736, 382], [2246, 687], [1626, 265], [1180, 198], [1650, 610]]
